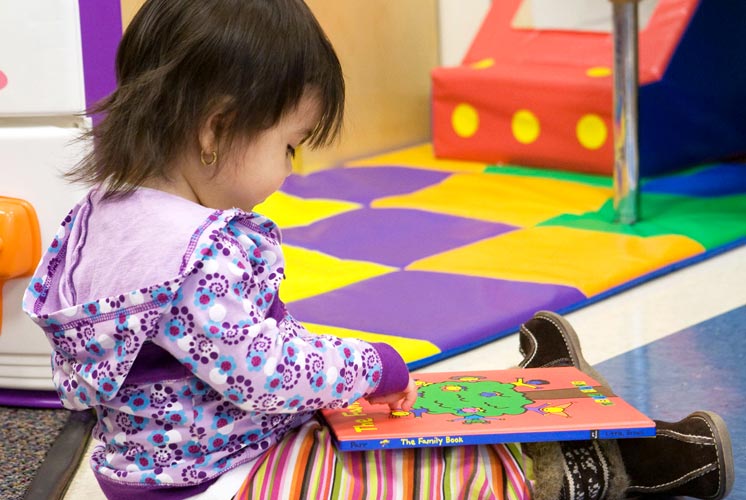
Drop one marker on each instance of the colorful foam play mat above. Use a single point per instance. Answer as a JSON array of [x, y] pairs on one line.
[[436, 257]]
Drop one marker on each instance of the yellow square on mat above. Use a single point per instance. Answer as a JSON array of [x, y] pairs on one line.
[[310, 273], [421, 156], [591, 261], [289, 211], [409, 349], [509, 199]]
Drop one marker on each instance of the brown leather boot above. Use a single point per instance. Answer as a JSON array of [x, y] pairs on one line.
[[548, 340], [692, 457]]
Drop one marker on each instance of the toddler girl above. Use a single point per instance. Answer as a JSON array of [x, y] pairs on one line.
[[160, 291]]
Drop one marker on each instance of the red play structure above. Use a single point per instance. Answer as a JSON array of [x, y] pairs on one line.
[[544, 97]]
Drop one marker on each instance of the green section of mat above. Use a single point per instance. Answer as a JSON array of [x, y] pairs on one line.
[[712, 222], [590, 179], [698, 205]]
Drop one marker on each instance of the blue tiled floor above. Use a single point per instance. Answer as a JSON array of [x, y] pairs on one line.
[[702, 367]]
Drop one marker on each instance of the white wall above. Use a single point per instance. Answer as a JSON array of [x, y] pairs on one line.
[[577, 15], [459, 21], [40, 58]]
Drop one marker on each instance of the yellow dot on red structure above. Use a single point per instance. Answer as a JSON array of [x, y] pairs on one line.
[[591, 131], [526, 127], [483, 64], [598, 72], [465, 120]]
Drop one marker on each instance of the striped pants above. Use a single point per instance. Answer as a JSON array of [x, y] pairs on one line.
[[306, 465]]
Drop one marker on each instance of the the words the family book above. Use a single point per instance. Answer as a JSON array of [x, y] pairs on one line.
[[496, 406]]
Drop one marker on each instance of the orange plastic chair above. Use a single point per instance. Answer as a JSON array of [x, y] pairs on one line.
[[20, 242]]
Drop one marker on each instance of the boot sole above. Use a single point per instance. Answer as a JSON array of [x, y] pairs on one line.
[[725, 450], [573, 344]]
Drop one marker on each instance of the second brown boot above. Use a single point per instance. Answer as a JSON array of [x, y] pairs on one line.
[[692, 457]]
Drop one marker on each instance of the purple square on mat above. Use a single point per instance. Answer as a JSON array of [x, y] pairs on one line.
[[361, 185], [449, 310], [393, 237]]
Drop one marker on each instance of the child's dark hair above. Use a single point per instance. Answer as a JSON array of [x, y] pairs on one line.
[[179, 59]]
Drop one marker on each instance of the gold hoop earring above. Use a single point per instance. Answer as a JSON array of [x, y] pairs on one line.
[[213, 158]]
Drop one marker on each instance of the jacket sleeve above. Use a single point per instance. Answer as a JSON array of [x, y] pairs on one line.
[[228, 327]]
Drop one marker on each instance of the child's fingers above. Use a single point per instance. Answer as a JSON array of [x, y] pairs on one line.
[[405, 400], [398, 401], [409, 400], [396, 405], [410, 396]]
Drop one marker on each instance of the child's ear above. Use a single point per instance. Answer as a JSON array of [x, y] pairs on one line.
[[211, 131]]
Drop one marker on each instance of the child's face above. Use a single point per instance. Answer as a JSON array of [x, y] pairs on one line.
[[254, 170]]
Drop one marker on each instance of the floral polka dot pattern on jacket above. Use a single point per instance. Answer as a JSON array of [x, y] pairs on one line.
[[247, 372]]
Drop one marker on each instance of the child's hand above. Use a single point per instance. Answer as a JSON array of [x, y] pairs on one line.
[[403, 400]]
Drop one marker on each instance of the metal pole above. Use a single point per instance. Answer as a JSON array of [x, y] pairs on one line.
[[626, 142]]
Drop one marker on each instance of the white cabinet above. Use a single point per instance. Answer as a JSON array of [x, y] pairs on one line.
[[41, 61], [31, 160]]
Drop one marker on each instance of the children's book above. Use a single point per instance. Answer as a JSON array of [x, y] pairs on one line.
[[496, 406]]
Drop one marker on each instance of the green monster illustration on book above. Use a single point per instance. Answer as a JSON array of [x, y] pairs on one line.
[[476, 400]]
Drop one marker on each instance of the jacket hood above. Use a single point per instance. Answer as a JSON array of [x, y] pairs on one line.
[[95, 343], [102, 336]]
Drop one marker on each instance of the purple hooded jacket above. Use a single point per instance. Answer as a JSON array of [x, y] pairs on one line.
[[165, 317]]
